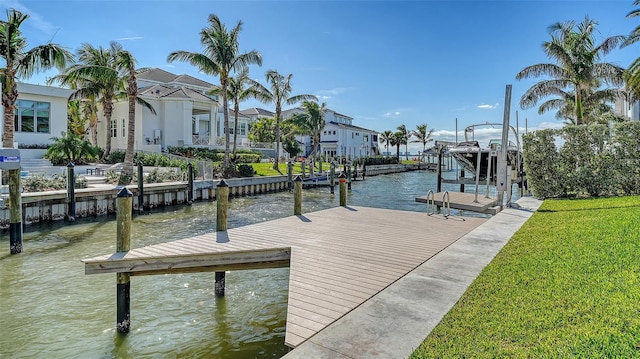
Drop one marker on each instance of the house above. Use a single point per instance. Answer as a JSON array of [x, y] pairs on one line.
[[627, 108], [41, 113], [185, 114], [339, 138]]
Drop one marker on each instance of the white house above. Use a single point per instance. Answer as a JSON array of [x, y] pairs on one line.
[[340, 137], [627, 108], [185, 114], [41, 113]]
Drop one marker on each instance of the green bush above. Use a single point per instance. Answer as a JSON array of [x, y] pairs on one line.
[[115, 157], [590, 161], [39, 183], [245, 170]]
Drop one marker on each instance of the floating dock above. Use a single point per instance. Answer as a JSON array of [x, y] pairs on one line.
[[463, 201], [339, 258]]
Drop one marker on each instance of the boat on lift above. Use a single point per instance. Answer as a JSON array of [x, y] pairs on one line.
[[466, 153]]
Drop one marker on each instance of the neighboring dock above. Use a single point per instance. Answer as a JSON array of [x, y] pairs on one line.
[[339, 258]]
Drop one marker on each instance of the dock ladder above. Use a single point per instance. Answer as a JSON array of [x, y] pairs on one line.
[[446, 204], [431, 203]]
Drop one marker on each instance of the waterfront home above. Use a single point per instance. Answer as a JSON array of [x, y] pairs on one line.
[[41, 113], [185, 114], [339, 136], [628, 108]]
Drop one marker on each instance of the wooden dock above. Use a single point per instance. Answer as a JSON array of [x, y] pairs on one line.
[[463, 201], [339, 258]]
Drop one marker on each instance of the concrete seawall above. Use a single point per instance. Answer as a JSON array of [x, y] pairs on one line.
[[100, 200]]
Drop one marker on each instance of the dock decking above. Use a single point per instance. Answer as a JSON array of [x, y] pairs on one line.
[[339, 257], [463, 201]]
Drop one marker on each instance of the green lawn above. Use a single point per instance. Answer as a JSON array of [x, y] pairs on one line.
[[266, 168], [566, 285]]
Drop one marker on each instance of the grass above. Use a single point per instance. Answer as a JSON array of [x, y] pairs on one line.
[[567, 285], [266, 168]]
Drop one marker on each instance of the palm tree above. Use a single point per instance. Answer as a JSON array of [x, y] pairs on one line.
[[405, 141], [20, 62], [386, 138], [238, 90], [221, 55], [95, 77], [595, 104], [632, 74], [422, 136], [111, 75], [279, 92], [311, 122], [576, 68], [398, 138]]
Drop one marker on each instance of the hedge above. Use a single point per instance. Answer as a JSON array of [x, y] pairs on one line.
[[593, 160]]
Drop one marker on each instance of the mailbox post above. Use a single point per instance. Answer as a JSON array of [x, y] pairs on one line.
[[10, 160]]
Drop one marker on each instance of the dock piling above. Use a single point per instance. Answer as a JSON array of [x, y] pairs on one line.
[[222, 199], [71, 193], [124, 203], [297, 196], [289, 175], [140, 188], [332, 176], [348, 177], [190, 187], [343, 190], [15, 212]]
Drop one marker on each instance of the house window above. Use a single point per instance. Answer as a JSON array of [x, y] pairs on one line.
[[334, 132], [114, 128], [123, 128], [365, 138], [352, 135], [32, 116], [243, 129]]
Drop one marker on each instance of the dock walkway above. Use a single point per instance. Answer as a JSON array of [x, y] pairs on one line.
[[339, 258]]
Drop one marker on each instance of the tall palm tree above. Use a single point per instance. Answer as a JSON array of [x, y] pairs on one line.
[[279, 92], [238, 90], [577, 66], [422, 136], [220, 56], [111, 75], [311, 122], [386, 138], [398, 138], [632, 74], [22, 62], [95, 77], [405, 140]]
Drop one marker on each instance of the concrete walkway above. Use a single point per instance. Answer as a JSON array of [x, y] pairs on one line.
[[395, 321]]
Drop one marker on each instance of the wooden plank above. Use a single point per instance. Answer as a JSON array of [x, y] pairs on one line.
[[462, 201], [118, 263]]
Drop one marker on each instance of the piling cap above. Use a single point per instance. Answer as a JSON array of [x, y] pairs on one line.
[[298, 179], [70, 165], [124, 192], [342, 175], [222, 183]]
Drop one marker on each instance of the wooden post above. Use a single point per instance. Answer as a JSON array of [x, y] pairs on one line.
[[222, 199], [303, 166], [297, 196], [124, 203], [289, 175], [190, 187], [140, 188], [364, 170], [320, 166], [439, 169], [462, 180], [332, 176], [15, 212], [349, 177], [71, 193], [343, 189]]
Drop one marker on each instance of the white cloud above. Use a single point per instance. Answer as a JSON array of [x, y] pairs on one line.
[[35, 19], [130, 38], [489, 107], [334, 91], [392, 114]]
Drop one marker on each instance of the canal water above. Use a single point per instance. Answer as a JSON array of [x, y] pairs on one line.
[[49, 308]]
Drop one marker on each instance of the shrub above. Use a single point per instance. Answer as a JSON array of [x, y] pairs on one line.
[[245, 170], [39, 183]]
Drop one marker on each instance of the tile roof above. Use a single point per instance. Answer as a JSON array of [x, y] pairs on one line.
[[351, 126], [257, 111], [166, 77], [161, 91]]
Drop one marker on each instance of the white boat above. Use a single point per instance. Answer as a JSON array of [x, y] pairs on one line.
[[467, 152]]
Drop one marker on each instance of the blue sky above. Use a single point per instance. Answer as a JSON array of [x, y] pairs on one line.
[[384, 63]]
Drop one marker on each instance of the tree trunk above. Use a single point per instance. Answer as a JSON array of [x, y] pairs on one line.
[[131, 137], [277, 159], [578, 106], [108, 111], [236, 109], [9, 97], [227, 138]]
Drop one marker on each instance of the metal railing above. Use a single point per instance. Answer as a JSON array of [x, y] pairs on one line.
[[431, 203], [446, 204]]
